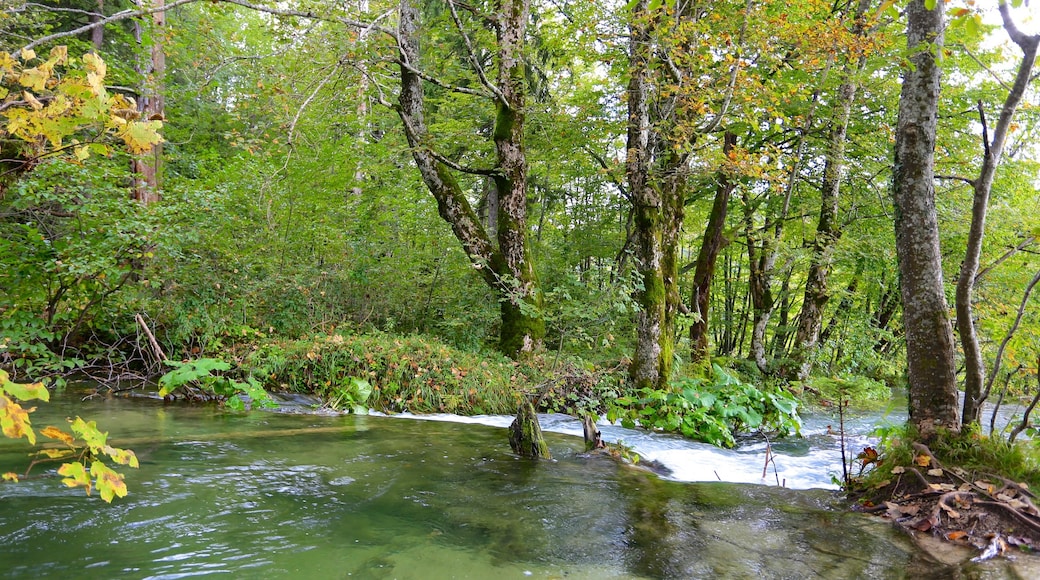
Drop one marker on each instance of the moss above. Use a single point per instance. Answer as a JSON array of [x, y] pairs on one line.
[[525, 434], [504, 120], [521, 333]]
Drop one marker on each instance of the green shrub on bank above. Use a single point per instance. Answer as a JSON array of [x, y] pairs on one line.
[[710, 409], [403, 373]]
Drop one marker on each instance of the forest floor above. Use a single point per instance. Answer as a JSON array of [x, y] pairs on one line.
[[980, 510]]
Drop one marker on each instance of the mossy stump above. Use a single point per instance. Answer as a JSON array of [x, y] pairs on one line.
[[525, 434]]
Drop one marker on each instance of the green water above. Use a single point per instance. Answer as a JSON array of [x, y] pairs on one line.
[[267, 495]]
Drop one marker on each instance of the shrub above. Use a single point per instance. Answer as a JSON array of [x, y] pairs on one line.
[[709, 409], [409, 373]]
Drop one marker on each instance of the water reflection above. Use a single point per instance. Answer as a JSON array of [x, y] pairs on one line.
[[275, 495]]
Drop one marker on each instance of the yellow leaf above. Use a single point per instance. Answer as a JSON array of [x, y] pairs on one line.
[[81, 152], [923, 460], [28, 54], [121, 456], [141, 136], [60, 54], [10, 476], [89, 433], [7, 61], [27, 392], [55, 433], [14, 420], [75, 475], [55, 453], [109, 483], [94, 64], [34, 78], [33, 102]]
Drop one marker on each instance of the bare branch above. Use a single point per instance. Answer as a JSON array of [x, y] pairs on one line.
[[442, 84], [610, 171], [711, 126], [1007, 338], [983, 66], [970, 182], [1028, 241], [125, 14], [473, 55]]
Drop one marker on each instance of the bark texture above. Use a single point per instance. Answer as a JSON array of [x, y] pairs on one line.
[[712, 243], [152, 105], [974, 366], [929, 338], [506, 267], [652, 358]]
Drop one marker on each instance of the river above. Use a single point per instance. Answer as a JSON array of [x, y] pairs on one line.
[[303, 495]]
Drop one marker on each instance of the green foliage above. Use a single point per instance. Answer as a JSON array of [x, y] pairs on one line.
[[969, 450], [391, 374], [712, 410], [855, 390], [85, 444], [199, 373]]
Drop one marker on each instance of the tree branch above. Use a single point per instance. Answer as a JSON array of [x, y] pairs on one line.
[[610, 172], [473, 55], [125, 14]]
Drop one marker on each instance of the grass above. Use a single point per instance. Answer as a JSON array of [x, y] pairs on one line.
[[406, 373]]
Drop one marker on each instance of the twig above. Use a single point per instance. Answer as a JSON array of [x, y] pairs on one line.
[[151, 338]]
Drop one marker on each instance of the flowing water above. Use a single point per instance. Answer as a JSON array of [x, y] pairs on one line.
[[274, 495]]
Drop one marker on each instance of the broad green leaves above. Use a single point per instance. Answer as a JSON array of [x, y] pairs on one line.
[[198, 373]]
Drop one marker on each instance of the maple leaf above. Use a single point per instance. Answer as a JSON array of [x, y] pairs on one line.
[[89, 433], [14, 420], [34, 78], [141, 136], [109, 483], [10, 476], [121, 456], [75, 475], [55, 433]]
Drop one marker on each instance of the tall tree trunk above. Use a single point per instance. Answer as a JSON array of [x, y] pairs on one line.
[[929, 338], [151, 104], [974, 367], [711, 245], [828, 230], [650, 362], [507, 268]]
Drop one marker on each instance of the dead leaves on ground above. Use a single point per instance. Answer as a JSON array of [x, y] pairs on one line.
[[988, 513]]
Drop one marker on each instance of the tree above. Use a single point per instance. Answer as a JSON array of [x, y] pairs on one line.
[[974, 367], [931, 371], [828, 228], [507, 268], [150, 102]]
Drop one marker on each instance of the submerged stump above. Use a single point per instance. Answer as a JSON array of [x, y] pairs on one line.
[[525, 434]]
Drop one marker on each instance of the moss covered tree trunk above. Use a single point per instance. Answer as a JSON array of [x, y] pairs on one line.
[[651, 361], [711, 245], [504, 262], [929, 337], [525, 434]]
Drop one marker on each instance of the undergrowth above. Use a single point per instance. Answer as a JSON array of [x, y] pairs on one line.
[[391, 374]]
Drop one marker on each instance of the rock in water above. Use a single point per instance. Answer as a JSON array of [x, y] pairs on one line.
[[525, 434]]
